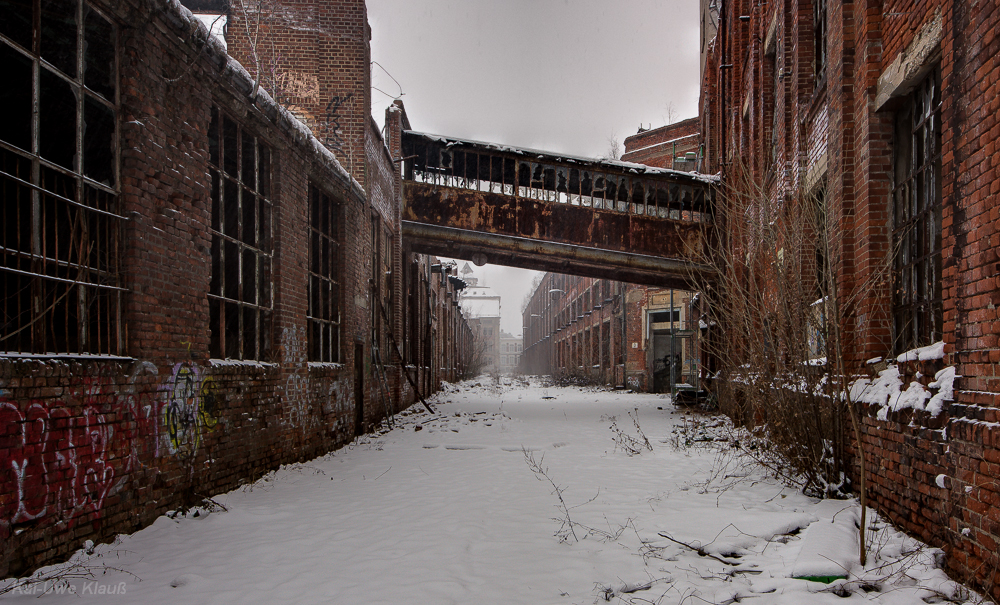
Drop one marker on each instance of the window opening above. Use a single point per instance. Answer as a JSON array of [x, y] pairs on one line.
[[819, 33], [61, 233], [323, 317], [240, 294], [916, 233]]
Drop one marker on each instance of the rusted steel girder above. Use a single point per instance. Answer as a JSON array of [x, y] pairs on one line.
[[557, 257], [484, 211], [534, 209]]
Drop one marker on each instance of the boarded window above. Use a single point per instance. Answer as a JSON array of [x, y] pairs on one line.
[[60, 220], [324, 280], [916, 227], [240, 298]]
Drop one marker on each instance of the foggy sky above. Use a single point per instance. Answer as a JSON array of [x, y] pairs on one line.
[[558, 75]]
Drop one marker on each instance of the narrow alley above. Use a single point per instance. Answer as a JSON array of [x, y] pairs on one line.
[[654, 505]]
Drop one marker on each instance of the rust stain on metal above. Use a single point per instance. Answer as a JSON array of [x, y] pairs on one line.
[[490, 189]]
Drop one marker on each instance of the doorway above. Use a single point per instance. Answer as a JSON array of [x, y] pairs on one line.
[[359, 389]]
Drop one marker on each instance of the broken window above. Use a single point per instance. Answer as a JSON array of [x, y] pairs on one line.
[[819, 39], [60, 220], [239, 297], [916, 227], [667, 316], [324, 279]]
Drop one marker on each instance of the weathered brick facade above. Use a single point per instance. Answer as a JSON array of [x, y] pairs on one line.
[[95, 445], [812, 96], [608, 332], [666, 147]]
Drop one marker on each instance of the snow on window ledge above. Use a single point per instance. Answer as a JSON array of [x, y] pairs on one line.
[[64, 357], [240, 363], [934, 351], [325, 365]]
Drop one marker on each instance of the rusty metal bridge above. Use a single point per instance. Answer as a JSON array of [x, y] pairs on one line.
[[538, 210]]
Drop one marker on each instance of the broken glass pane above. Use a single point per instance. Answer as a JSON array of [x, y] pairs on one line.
[[15, 97], [15, 21], [57, 130], [59, 32], [98, 141], [98, 54]]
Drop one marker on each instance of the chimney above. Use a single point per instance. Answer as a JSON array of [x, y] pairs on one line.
[[313, 57]]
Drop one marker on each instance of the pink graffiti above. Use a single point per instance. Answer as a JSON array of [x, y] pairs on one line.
[[53, 459], [58, 457]]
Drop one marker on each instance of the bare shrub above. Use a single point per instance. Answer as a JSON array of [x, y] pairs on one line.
[[781, 314], [631, 445]]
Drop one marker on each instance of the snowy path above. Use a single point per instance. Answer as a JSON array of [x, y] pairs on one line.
[[451, 513]]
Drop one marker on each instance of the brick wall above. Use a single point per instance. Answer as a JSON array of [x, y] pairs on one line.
[[836, 133], [661, 146], [314, 58], [95, 446]]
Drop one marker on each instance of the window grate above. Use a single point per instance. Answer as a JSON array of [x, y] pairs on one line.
[[240, 293], [917, 308], [324, 283], [61, 236]]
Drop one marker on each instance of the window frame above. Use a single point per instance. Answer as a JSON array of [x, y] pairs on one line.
[[323, 314], [916, 209], [234, 305], [63, 245], [820, 35]]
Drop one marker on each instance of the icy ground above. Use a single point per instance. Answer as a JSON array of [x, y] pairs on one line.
[[447, 509]]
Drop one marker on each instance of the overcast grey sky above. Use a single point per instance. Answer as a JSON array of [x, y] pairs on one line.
[[559, 75]]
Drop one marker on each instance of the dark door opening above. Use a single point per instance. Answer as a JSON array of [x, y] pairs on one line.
[[359, 389]]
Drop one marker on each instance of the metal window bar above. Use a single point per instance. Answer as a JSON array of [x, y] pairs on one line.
[[917, 300], [240, 293], [323, 315], [61, 229]]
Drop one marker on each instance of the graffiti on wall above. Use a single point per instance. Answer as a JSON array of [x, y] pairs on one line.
[[56, 457], [192, 405], [57, 453], [297, 384], [334, 135], [65, 455]]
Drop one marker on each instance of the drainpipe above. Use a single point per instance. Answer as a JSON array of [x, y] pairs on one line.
[[621, 288], [722, 82]]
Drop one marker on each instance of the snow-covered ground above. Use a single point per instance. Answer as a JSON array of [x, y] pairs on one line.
[[448, 509]]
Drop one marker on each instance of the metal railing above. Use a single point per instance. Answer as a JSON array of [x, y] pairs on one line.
[[536, 175]]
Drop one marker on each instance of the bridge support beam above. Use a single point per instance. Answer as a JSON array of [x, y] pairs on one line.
[[555, 257]]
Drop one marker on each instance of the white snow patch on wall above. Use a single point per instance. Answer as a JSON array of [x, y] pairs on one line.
[[887, 392], [934, 351]]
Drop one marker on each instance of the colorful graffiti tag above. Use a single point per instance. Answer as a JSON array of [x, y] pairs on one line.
[[192, 405], [56, 455], [65, 455]]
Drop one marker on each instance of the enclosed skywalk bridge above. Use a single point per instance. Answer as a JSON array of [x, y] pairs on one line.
[[538, 210]]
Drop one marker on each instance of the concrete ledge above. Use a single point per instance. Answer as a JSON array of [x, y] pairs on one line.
[[911, 65]]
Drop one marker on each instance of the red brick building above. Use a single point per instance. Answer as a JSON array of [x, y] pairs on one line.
[[611, 333], [193, 288], [887, 111], [614, 333], [675, 146]]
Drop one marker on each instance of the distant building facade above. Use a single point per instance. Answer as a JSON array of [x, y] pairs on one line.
[[510, 352], [612, 333], [675, 146], [481, 305]]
